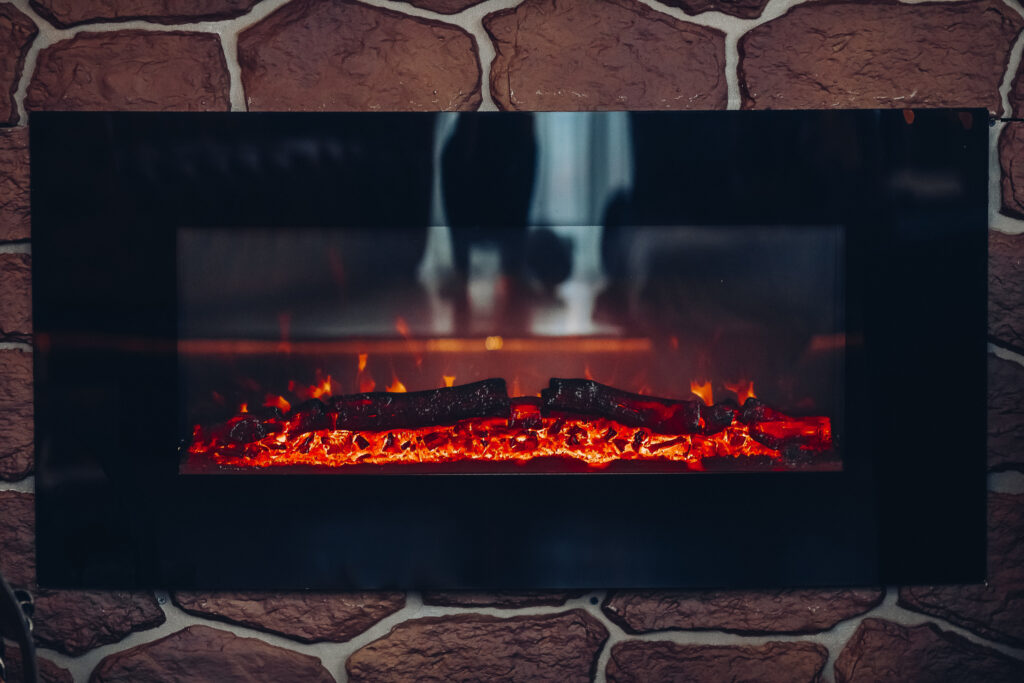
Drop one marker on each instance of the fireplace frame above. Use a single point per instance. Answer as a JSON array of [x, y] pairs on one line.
[[110, 189]]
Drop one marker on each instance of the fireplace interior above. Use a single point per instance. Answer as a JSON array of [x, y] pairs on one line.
[[509, 350]]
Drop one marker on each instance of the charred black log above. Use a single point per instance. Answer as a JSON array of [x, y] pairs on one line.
[[309, 417], [381, 411], [662, 415]]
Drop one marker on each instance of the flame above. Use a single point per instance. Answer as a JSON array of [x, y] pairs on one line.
[[323, 388], [244, 408], [396, 387], [449, 380], [278, 401], [494, 343], [586, 372], [742, 389], [703, 391], [363, 357], [402, 326], [366, 384]]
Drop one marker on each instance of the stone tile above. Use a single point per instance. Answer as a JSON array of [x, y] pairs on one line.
[[994, 609], [200, 654], [15, 298], [307, 617], [1006, 289], [18, 538], [882, 651], [641, 661], [1011, 164], [132, 71], [65, 13], [854, 54], [618, 54], [559, 647], [1005, 414], [48, 671], [503, 600], [14, 201], [17, 32], [16, 447], [340, 55], [781, 611]]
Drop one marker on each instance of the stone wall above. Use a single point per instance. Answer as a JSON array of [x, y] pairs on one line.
[[531, 55]]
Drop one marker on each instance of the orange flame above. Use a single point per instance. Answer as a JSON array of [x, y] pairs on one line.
[[244, 408], [703, 391], [396, 387], [402, 326], [449, 380], [278, 401], [742, 389], [586, 372], [363, 357]]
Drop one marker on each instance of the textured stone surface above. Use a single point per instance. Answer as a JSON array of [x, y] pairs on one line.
[[881, 651], [15, 414], [1005, 414], [17, 538], [64, 13], [508, 600], [308, 617], [994, 609], [16, 34], [15, 297], [48, 671], [14, 202], [745, 9], [315, 55], [618, 54], [1011, 162], [443, 6], [881, 53], [200, 654], [1006, 289], [783, 611], [559, 647], [74, 622], [640, 661], [132, 71]]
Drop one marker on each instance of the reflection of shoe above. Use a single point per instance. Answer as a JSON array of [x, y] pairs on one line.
[[548, 257]]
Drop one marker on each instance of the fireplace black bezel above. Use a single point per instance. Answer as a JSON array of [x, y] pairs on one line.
[[110, 189]]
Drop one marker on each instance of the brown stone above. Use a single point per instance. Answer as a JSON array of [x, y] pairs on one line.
[[1011, 162], [16, 34], [15, 297], [308, 617], [641, 661], [559, 647], [74, 622], [994, 609], [1006, 289], [200, 654], [18, 538], [316, 55], [65, 13], [505, 600], [48, 671], [443, 6], [14, 213], [882, 651], [1005, 414], [781, 611], [15, 414], [880, 53], [132, 71], [745, 9], [617, 54]]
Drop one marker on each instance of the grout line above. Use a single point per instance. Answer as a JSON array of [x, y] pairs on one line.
[[15, 248], [1005, 354], [1007, 481], [16, 346], [26, 485]]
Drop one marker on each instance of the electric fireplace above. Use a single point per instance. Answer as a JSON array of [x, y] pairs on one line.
[[509, 350]]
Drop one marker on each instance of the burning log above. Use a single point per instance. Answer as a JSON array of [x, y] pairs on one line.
[[379, 411], [779, 431], [661, 415]]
